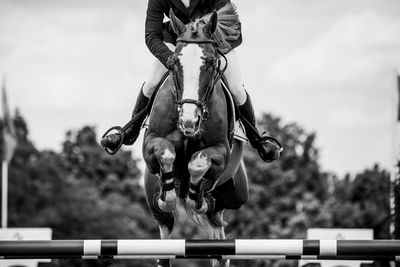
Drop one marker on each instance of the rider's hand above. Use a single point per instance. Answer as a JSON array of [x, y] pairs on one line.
[[171, 61]]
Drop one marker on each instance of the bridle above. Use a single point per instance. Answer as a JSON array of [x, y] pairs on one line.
[[203, 102], [195, 191]]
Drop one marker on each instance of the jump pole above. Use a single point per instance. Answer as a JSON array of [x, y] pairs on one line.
[[231, 257], [180, 248]]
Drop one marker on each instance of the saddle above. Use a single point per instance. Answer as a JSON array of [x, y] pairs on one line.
[[235, 126]]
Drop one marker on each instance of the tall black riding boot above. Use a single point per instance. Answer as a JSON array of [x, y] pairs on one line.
[[132, 133], [113, 141], [267, 151], [246, 110]]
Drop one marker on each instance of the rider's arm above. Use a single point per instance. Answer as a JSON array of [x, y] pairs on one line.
[[220, 3], [153, 30]]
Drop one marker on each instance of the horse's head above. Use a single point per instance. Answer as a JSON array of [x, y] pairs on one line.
[[195, 64]]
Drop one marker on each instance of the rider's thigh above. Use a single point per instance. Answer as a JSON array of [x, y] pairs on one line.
[[157, 71], [234, 79]]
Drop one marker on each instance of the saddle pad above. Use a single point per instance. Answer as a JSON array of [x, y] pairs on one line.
[[239, 132]]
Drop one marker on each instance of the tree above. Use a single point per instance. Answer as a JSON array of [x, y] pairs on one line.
[[82, 192], [363, 202]]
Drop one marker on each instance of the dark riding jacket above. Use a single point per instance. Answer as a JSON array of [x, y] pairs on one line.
[[157, 32]]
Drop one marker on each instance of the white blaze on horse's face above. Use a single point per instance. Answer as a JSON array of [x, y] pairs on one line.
[[190, 114]]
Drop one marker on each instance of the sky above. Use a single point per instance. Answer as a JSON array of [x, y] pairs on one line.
[[329, 66]]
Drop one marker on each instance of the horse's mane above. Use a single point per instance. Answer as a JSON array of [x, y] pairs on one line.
[[228, 27]]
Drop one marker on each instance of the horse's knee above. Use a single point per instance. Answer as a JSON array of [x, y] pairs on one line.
[[165, 155], [198, 166]]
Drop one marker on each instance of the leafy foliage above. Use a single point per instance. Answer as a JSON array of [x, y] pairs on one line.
[[81, 192]]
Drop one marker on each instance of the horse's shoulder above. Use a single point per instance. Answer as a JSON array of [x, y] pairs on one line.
[[164, 88], [168, 82]]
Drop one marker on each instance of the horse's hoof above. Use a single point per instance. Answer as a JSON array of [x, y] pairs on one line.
[[199, 165], [216, 220], [192, 205], [166, 206], [170, 202]]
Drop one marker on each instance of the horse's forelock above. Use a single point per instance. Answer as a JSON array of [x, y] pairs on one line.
[[196, 29]]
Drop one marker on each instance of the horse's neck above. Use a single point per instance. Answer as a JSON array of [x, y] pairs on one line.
[[218, 92], [217, 100], [164, 101]]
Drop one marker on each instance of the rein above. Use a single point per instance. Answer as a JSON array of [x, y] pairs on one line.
[[203, 103]]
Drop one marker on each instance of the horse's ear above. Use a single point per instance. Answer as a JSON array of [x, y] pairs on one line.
[[176, 24], [211, 25]]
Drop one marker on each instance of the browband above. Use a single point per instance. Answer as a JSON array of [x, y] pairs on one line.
[[201, 41]]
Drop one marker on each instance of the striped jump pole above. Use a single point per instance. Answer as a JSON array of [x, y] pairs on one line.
[[292, 249]]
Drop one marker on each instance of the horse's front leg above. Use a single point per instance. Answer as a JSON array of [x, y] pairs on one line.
[[165, 220], [160, 156], [212, 161]]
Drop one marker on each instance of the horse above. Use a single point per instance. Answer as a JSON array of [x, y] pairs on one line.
[[190, 155]]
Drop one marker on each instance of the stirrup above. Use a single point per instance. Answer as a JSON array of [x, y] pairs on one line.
[[139, 117], [119, 131], [265, 137], [261, 149]]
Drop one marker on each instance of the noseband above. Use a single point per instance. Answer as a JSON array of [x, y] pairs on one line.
[[203, 103]]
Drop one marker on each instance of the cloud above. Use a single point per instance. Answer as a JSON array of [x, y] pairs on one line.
[[355, 48], [341, 85], [346, 117], [71, 64]]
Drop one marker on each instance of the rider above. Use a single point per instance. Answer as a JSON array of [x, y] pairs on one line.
[[161, 40]]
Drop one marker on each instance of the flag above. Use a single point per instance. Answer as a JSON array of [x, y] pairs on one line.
[[9, 136], [398, 99], [396, 176]]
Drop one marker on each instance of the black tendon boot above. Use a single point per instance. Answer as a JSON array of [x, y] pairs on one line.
[[112, 141], [267, 150]]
